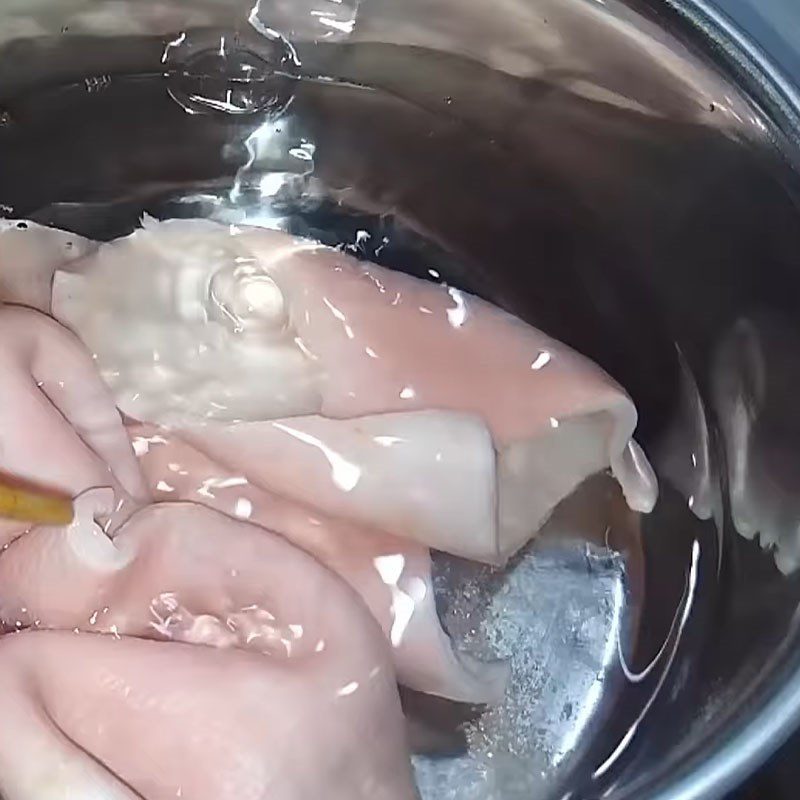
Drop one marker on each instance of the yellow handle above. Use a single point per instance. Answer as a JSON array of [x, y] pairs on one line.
[[28, 505]]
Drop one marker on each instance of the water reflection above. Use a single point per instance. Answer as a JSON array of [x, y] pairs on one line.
[[756, 383], [683, 455]]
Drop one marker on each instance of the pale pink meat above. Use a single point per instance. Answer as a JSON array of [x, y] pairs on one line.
[[390, 342], [392, 575], [59, 428], [181, 572], [102, 718], [430, 476], [318, 424], [440, 418], [29, 256], [195, 322]]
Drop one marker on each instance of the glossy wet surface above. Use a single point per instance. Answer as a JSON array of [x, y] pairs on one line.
[[622, 228]]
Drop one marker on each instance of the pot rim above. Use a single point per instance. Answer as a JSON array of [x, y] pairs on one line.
[[733, 759]]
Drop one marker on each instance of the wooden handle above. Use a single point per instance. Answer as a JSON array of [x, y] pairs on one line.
[[29, 505]]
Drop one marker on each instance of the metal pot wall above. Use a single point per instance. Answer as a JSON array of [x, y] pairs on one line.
[[622, 174]]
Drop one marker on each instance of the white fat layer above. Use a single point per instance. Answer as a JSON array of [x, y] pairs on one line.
[[186, 325]]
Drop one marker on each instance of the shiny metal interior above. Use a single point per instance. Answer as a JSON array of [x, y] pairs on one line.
[[618, 173]]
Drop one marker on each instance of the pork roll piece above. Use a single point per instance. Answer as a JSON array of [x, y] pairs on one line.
[[107, 718], [192, 321], [59, 429], [392, 574]]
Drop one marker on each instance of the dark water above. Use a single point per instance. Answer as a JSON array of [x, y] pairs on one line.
[[636, 255]]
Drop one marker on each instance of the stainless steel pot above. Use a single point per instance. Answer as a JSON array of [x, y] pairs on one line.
[[623, 174]]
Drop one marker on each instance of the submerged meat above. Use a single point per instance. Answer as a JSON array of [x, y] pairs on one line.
[[90, 716], [59, 428], [424, 475], [192, 321], [29, 256], [392, 574], [183, 572], [307, 427]]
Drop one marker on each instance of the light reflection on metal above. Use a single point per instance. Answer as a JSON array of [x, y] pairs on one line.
[[681, 617], [591, 701]]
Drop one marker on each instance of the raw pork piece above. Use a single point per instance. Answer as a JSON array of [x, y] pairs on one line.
[[94, 717], [194, 321], [29, 256], [183, 572], [430, 476], [59, 428], [392, 575]]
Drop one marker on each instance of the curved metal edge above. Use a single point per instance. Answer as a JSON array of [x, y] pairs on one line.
[[739, 758], [734, 761], [747, 58]]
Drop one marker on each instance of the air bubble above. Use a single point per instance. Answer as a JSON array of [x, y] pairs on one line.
[[227, 75]]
